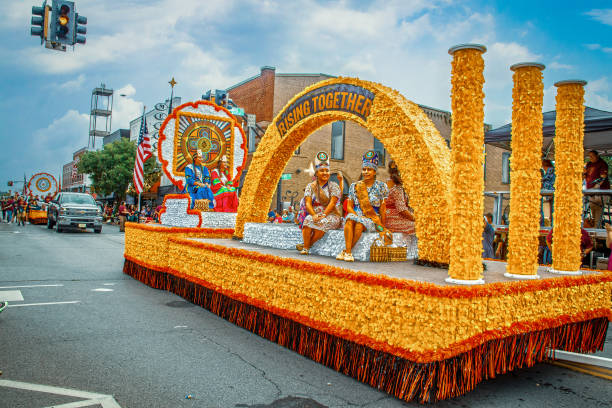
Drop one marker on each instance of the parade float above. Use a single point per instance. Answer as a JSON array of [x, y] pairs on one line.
[[425, 330], [45, 187]]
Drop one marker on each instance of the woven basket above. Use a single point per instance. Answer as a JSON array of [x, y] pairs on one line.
[[387, 254], [202, 205], [379, 253], [398, 254]]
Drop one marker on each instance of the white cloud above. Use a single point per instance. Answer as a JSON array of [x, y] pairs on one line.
[[602, 15], [598, 85], [16, 14], [597, 94], [143, 30], [557, 65], [125, 108], [592, 46], [73, 84], [53, 145], [607, 49]]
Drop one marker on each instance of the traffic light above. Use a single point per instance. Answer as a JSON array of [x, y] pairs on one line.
[[63, 23], [80, 23], [40, 21], [220, 97]]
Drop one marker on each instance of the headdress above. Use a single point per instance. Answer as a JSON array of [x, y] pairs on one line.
[[370, 159], [321, 161]]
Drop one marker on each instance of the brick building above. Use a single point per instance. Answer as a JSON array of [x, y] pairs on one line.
[[264, 95], [72, 179]]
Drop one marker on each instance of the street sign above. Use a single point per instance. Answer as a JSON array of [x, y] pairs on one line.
[[286, 176], [237, 111], [250, 120]]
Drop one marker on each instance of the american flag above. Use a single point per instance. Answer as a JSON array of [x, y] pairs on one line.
[[142, 154]]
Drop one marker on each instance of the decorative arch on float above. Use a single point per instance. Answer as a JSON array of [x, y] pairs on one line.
[[409, 136]]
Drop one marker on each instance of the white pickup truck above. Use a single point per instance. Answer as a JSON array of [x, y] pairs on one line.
[[74, 210]]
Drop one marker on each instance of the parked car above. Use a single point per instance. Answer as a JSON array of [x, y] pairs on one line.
[[74, 210]]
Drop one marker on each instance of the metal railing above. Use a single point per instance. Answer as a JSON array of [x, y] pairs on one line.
[[502, 196]]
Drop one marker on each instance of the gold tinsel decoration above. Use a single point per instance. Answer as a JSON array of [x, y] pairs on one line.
[[569, 158], [467, 182], [526, 144]]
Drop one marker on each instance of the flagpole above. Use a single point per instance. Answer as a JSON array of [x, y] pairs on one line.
[[144, 110]]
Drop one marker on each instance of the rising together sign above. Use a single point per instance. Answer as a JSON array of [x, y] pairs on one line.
[[336, 97]]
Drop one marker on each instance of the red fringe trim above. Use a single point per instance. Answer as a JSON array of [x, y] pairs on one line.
[[397, 376], [429, 289]]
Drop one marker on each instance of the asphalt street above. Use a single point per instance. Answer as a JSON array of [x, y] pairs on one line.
[[85, 334]]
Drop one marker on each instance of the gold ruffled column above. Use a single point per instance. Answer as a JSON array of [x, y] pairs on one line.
[[569, 161], [526, 144], [467, 158]]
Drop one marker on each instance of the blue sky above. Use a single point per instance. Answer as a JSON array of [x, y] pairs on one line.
[[136, 46]]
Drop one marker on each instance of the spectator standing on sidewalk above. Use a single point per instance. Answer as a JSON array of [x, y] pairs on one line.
[[596, 177], [123, 213]]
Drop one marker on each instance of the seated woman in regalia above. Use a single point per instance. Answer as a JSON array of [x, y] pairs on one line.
[[197, 177], [226, 196], [321, 199], [366, 206], [399, 216]]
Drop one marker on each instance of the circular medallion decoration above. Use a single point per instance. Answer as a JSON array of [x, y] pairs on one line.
[[205, 126], [322, 156], [43, 184], [369, 154], [205, 136]]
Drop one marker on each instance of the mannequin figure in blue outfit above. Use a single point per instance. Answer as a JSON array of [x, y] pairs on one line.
[[197, 177]]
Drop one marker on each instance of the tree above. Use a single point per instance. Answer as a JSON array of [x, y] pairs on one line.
[[112, 168]]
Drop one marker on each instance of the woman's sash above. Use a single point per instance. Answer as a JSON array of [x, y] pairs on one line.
[[361, 191]]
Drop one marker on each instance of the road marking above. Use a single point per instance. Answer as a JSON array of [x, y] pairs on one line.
[[586, 369], [11, 296], [102, 290], [180, 327], [105, 402], [109, 284], [45, 304], [48, 389], [28, 286]]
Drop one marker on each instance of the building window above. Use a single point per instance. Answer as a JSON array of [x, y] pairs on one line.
[[252, 135], [337, 141], [506, 168], [382, 153]]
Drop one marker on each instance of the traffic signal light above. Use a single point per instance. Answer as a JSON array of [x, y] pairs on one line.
[[40, 21], [220, 97], [63, 23], [80, 23]]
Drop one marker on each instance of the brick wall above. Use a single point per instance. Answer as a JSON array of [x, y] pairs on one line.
[[256, 95], [493, 176]]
